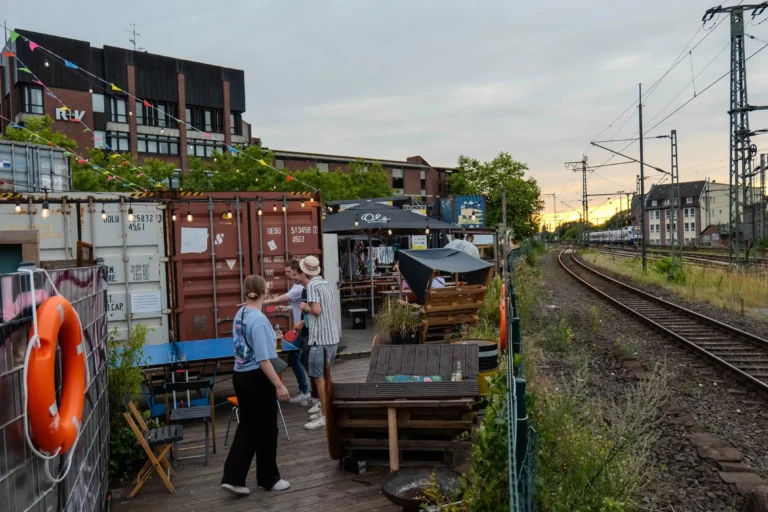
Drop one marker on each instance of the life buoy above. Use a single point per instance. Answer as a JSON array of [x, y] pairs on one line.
[[55, 427], [503, 323]]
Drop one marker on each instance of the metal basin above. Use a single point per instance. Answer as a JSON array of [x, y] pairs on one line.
[[404, 487]]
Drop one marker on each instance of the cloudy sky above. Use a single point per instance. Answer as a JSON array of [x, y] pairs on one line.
[[392, 79]]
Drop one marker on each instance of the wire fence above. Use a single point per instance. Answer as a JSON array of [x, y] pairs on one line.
[[522, 442], [23, 484]]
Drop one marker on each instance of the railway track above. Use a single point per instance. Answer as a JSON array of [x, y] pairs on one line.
[[694, 257], [740, 352]]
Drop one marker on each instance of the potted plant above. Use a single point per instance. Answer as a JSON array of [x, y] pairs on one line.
[[399, 321]]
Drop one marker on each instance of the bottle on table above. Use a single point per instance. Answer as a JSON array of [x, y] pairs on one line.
[[456, 376], [278, 337]]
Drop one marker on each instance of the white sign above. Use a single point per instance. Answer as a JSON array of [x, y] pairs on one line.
[[145, 302], [272, 245], [194, 240], [418, 242], [69, 115], [377, 218]]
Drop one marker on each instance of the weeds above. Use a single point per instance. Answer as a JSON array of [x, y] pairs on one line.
[[594, 317], [491, 310], [557, 336], [626, 348]]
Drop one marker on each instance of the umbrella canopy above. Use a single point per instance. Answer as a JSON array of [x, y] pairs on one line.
[[373, 218], [417, 267], [464, 246]]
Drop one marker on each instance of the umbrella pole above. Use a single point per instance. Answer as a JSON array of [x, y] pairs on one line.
[[370, 258]]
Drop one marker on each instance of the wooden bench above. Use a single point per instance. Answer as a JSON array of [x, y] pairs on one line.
[[408, 423]]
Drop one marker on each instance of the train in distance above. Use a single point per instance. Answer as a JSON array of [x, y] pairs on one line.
[[627, 235]]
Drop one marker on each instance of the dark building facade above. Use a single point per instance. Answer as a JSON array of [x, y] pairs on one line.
[[413, 176], [207, 97]]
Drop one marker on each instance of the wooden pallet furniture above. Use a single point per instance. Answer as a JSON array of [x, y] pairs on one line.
[[409, 423], [447, 308]]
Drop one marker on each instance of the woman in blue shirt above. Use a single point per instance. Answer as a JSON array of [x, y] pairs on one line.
[[256, 384]]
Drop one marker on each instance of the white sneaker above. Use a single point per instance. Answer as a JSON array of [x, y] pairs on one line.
[[301, 397], [315, 408], [316, 424], [238, 491], [309, 402], [315, 416], [281, 485]]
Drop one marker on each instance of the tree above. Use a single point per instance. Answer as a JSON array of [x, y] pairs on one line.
[[38, 131], [524, 204]]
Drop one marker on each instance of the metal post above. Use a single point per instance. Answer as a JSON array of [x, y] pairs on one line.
[[762, 195], [585, 199], [674, 203], [642, 180], [239, 247], [213, 268]]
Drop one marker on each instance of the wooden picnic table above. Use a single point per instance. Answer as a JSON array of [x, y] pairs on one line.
[[424, 360]]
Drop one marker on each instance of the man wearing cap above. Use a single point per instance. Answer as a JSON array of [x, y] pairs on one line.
[[323, 330]]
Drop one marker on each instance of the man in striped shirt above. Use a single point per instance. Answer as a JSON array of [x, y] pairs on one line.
[[323, 330]]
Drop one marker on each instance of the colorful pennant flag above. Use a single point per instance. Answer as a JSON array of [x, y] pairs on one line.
[[49, 93], [63, 107], [158, 185], [106, 172], [110, 178], [8, 54], [26, 70], [14, 36], [234, 150], [36, 81], [67, 153], [86, 129], [289, 178], [52, 144], [147, 104], [70, 65], [125, 163], [116, 88], [106, 146], [81, 161], [262, 162], [140, 175], [33, 45], [17, 126], [207, 135], [115, 156], [97, 138]]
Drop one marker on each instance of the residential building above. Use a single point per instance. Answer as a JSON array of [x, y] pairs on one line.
[[701, 205], [208, 98], [413, 176]]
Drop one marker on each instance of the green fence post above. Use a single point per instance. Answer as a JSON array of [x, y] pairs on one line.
[[521, 437], [517, 337]]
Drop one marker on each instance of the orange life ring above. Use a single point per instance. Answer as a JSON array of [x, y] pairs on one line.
[[503, 326], [55, 427]]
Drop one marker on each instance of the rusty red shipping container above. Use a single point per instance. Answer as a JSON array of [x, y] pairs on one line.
[[213, 254]]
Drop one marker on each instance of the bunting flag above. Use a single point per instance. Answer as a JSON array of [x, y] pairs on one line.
[[86, 129], [115, 156], [33, 45], [81, 161], [207, 135], [234, 150], [70, 65], [14, 36], [67, 153], [106, 146], [96, 138], [125, 163], [110, 178], [9, 54], [17, 126], [289, 178], [49, 93], [106, 172], [116, 88], [140, 175], [26, 70], [52, 144], [262, 162], [147, 104], [63, 107], [38, 82]]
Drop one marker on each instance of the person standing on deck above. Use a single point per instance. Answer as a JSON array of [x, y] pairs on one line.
[[323, 329], [293, 296], [256, 385]]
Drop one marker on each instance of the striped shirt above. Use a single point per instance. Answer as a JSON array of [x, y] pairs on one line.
[[323, 329]]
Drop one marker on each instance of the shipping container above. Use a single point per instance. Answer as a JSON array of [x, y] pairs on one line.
[[134, 252], [27, 168], [213, 253]]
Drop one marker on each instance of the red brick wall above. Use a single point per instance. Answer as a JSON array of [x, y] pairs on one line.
[[131, 106], [180, 85], [412, 181], [74, 100]]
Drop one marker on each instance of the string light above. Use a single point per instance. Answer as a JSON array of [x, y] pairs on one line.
[[90, 90], [18, 207], [229, 212], [189, 211], [302, 203], [103, 213], [173, 217], [284, 205], [45, 213], [131, 216], [47, 64], [274, 207], [426, 231], [474, 217], [356, 223]]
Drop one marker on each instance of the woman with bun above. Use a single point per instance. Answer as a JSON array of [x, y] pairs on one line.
[[256, 384]]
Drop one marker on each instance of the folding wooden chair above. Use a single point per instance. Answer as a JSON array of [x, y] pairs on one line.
[[156, 442], [183, 391]]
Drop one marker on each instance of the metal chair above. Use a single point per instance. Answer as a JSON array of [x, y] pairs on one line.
[[181, 390], [236, 413]]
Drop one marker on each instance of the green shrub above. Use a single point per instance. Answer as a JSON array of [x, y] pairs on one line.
[[672, 268], [557, 336], [397, 319], [124, 376], [594, 317], [491, 310]]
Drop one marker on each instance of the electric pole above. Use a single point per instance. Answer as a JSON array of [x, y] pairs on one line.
[[584, 199], [741, 150], [134, 37], [554, 206], [675, 222], [642, 179]]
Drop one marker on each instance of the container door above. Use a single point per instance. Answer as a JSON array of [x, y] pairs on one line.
[[208, 267], [58, 233], [135, 256]]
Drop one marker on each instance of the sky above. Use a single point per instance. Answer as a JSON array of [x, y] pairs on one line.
[[393, 79]]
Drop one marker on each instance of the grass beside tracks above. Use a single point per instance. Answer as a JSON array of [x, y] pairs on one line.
[[742, 291]]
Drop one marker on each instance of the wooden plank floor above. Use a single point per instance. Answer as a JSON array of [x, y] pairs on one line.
[[317, 483]]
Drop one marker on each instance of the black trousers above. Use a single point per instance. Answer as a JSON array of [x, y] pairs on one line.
[[256, 433]]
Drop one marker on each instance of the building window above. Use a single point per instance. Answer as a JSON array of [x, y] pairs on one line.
[[423, 176], [693, 227], [32, 100], [322, 166], [205, 119], [118, 111], [118, 141], [654, 203], [652, 228], [688, 200], [687, 226], [200, 147], [97, 103], [666, 202], [397, 179], [279, 163], [235, 123], [158, 144], [160, 114], [667, 226], [99, 139]]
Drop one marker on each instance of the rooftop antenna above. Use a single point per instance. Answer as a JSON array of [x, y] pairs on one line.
[[134, 38]]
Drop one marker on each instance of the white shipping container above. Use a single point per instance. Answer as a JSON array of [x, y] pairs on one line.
[[134, 252]]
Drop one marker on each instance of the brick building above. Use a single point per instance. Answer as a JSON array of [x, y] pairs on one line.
[[413, 176], [207, 97]]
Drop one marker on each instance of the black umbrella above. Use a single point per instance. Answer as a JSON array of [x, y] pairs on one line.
[[417, 267], [373, 219]]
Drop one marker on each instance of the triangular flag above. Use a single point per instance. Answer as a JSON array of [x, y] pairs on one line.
[[116, 155], [26, 70], [96, 167], [116, 88], [140, 175], [14, 36], [70, 65], [125, 163], [8, 54], [233, 150], [52, 144], [63, 107], [81, 161], [289, 178], [67, 153], [106, 146], [208, 135], [147, 104], [262, 162], [110, 178], [33, 45], [49, 93], [36, 81], [158, 185], [86, 129], [106, 172], [17, 126], [97, 138]]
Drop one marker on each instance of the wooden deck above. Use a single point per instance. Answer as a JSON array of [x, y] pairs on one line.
[[316, 481]]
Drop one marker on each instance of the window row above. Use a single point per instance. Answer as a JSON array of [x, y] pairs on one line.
[[206, 119], [689, 212], [160, 114], [158, 144], [692, 226], [201, 147]]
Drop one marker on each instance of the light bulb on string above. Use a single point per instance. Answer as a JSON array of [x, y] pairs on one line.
[[356, 223], [189, 211], [274, 207], [302, 203], [45, 213], [285, 207], [474, 217], [47, 64], [90, 90], [426, 231], [18, 207], [229, 212], [131, 216], [173, 217], [103, 213]]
